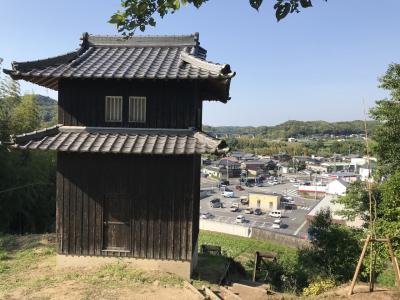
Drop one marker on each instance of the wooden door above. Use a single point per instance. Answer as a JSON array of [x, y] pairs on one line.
[[116, 222]]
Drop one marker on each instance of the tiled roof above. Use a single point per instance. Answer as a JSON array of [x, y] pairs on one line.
[[137, 57], [119, 140]]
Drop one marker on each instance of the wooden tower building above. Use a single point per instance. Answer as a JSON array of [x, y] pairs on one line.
[[128, 146]]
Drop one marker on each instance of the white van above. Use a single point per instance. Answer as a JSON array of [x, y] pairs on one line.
[[275, 214], [228, 194]]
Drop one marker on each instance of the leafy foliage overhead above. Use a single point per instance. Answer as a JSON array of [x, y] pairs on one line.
[[140, 13]]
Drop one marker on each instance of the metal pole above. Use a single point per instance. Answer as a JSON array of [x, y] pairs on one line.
[[227, 170]]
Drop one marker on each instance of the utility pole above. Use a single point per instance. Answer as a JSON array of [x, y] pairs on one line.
[[227, 170]]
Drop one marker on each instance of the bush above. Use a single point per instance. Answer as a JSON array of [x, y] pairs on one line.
[[319, 286], [386, 278]]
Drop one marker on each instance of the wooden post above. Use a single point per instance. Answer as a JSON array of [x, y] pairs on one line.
[[398, 270], [255, 265], [394, 262], [353, 282]]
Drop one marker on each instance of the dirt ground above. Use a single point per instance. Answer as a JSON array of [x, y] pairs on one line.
[[361, 292], [28, 271]]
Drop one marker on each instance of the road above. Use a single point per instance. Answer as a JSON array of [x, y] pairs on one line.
[[293, 221]]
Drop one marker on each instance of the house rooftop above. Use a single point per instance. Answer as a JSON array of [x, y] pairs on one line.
[[265, 193]]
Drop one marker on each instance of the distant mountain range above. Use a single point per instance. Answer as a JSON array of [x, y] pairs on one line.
[[291, 128]]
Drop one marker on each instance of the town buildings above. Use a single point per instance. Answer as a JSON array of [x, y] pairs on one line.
[[264, 201]]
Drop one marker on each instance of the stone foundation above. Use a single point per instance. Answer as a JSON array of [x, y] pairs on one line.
[[181, 268]]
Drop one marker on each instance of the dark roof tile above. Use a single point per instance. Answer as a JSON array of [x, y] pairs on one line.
[[120, 140], [137, 57]]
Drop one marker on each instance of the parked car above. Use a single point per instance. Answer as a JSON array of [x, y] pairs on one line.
[[248, 211], [276, 224], [234, 208], [206, 215], [215, 203], [257, 212], [244, 200], [289, 206], [228, 194], [240, 219], [275, 214], [239, 188], [224, 182], [287, 199]]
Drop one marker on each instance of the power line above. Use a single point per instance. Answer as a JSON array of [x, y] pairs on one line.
[[23, 186]]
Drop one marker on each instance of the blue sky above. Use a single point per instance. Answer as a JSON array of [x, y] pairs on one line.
[[320, 64]]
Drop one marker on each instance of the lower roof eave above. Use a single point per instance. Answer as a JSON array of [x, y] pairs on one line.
[[136, 141]]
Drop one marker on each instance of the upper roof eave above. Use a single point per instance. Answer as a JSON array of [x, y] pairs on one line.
[[182, 58]]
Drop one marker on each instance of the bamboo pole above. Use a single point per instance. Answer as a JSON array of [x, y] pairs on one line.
[[371, 267], [353, 282]]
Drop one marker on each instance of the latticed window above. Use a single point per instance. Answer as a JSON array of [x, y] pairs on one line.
[[137, 109], [113, 109]]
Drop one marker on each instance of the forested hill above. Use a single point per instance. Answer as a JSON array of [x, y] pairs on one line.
[[297, 129], [47, 109]]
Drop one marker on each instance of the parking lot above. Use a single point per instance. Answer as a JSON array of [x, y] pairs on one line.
[[293, 221]]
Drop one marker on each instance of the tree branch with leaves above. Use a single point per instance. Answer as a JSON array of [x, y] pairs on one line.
[[141, 13]]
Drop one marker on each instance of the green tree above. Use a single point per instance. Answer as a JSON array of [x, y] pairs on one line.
[[140, 13], [335, 249], [27, 191], [356, 201], [387, 133], [9, 99], [27, 180], [386, 191], [388, 211], [26, 115]]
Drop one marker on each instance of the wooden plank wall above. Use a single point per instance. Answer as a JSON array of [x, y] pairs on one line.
[[164, 195], [170, 104]]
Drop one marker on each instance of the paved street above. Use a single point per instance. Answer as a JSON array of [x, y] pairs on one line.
[[293, 220]]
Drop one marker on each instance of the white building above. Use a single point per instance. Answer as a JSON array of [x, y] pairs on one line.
[[335, 209], [337, 187]]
